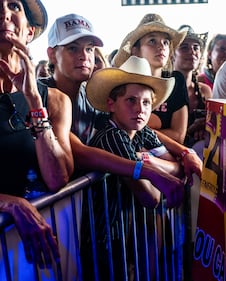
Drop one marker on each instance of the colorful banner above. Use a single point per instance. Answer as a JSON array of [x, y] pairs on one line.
[[209, 261]]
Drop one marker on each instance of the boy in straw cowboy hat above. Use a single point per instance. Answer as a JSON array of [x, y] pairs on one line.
[[154, 40], [130, 94]]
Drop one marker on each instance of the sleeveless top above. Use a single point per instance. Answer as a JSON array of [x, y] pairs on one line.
[[17, 147], [177, 99], [207, 78], [85, 118], [201, 103], [193, 115]]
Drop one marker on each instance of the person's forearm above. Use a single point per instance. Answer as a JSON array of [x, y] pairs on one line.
[[53, 144], [147, 194], [100, 160], [191, 161], [55, 165], [173, 146], [92, 158], [172, 167], [7, 203], [176, 136], [33, 230]]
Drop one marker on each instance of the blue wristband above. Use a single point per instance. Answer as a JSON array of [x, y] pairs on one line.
[[137, 170]]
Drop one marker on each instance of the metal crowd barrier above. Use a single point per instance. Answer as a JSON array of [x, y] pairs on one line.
[[63, 212]]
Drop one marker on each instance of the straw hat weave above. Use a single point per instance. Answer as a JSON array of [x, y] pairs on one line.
[[134, 70], [149, 23]]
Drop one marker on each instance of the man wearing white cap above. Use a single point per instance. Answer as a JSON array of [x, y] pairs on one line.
[[72, 42]]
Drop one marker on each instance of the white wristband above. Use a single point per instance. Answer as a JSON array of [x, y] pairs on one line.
[[187, 151]]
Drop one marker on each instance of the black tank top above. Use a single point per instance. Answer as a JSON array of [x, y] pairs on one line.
[[17, 146]]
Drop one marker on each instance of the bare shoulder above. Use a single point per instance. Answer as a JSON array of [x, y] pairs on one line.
[[205, 90], [58, 101], [56, 95]]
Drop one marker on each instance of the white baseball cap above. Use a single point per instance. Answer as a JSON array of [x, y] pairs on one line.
[[69, 28]]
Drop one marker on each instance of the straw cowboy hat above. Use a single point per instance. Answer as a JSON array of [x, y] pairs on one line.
[[201, 38], [134, 70], [36, 15], [149, 23]]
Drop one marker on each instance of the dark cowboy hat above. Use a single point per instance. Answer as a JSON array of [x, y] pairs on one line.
[[201, 38], [36, 15]]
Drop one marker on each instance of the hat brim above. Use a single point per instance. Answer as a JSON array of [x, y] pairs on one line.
[[201, 38], [96, 40], [125, 49], [103, 81], [39, 16]]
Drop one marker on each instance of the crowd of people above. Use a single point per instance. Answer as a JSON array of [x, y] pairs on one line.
[[62, 117]]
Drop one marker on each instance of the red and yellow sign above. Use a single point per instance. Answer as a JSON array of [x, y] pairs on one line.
[[210, 243]]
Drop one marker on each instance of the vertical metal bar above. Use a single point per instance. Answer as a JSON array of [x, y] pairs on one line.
[[108, 232], [122, 233], [77, 247], [5, 256], [146, 244], [92, 233], [137, 278], [54, 228], [174, 260], [179, 240], [157, 272], [188, 246], [36, 272], [164, 246]]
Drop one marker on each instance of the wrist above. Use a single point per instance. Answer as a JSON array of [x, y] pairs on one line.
[[137, 170], [40, 113], [146, 157], [185, 152], [40, 128]]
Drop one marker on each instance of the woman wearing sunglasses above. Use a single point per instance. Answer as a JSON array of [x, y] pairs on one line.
[[34, 128]]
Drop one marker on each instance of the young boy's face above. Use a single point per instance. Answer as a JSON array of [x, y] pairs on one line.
[[132, 111]]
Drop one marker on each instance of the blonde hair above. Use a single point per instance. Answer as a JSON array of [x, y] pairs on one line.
[[99, 53]]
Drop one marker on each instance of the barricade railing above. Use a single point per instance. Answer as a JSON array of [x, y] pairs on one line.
[[63, 211]]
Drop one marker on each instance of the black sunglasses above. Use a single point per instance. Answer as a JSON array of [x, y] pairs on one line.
[[16, 120]]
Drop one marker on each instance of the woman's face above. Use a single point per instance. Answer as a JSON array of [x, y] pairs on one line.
[[218, 54], [99, 62], [14, 23], [155, 47], [187, 56]]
